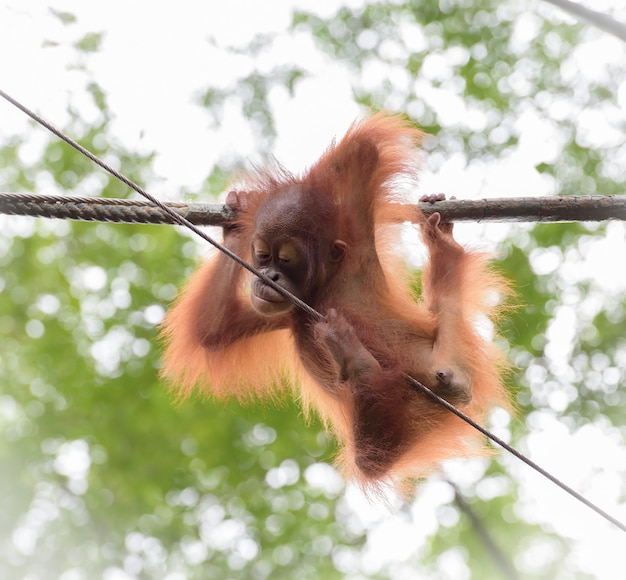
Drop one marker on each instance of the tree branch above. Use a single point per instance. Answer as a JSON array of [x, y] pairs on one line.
[[482, 532], [597, 19]]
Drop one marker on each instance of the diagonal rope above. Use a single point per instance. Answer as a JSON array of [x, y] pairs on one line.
[[424, 389], [179, 219]]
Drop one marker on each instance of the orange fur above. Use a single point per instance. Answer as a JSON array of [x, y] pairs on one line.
[[388, 431]]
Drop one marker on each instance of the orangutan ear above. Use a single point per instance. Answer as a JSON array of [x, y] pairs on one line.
[[338, 251]]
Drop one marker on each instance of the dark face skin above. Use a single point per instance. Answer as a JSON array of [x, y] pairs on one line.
[[280, 250], [285, 264]]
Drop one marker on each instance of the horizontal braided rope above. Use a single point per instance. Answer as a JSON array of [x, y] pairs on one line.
[[519, 209], [110, 210]]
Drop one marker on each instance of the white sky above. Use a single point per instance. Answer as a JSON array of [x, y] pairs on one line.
[[155, 59]]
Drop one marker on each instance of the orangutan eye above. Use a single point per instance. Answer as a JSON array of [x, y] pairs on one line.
[[288, 254], [261, 250]]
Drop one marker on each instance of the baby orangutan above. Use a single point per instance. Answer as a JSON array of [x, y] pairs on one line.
[[331, 238]]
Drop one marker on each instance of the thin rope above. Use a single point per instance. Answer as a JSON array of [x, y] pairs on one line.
[[424, 389], [179, 219], [295, 300]]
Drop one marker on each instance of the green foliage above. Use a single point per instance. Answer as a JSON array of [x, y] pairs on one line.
[[64, 17], [252, 93], [213, 490], [90, 42], [79, 371]]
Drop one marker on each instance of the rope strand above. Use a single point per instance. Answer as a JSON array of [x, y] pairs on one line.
[[102, 209], [181, 220], [424, 389], [518, 209]]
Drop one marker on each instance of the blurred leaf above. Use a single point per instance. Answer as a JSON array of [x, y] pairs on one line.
[[64, 17], [90, 42]]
